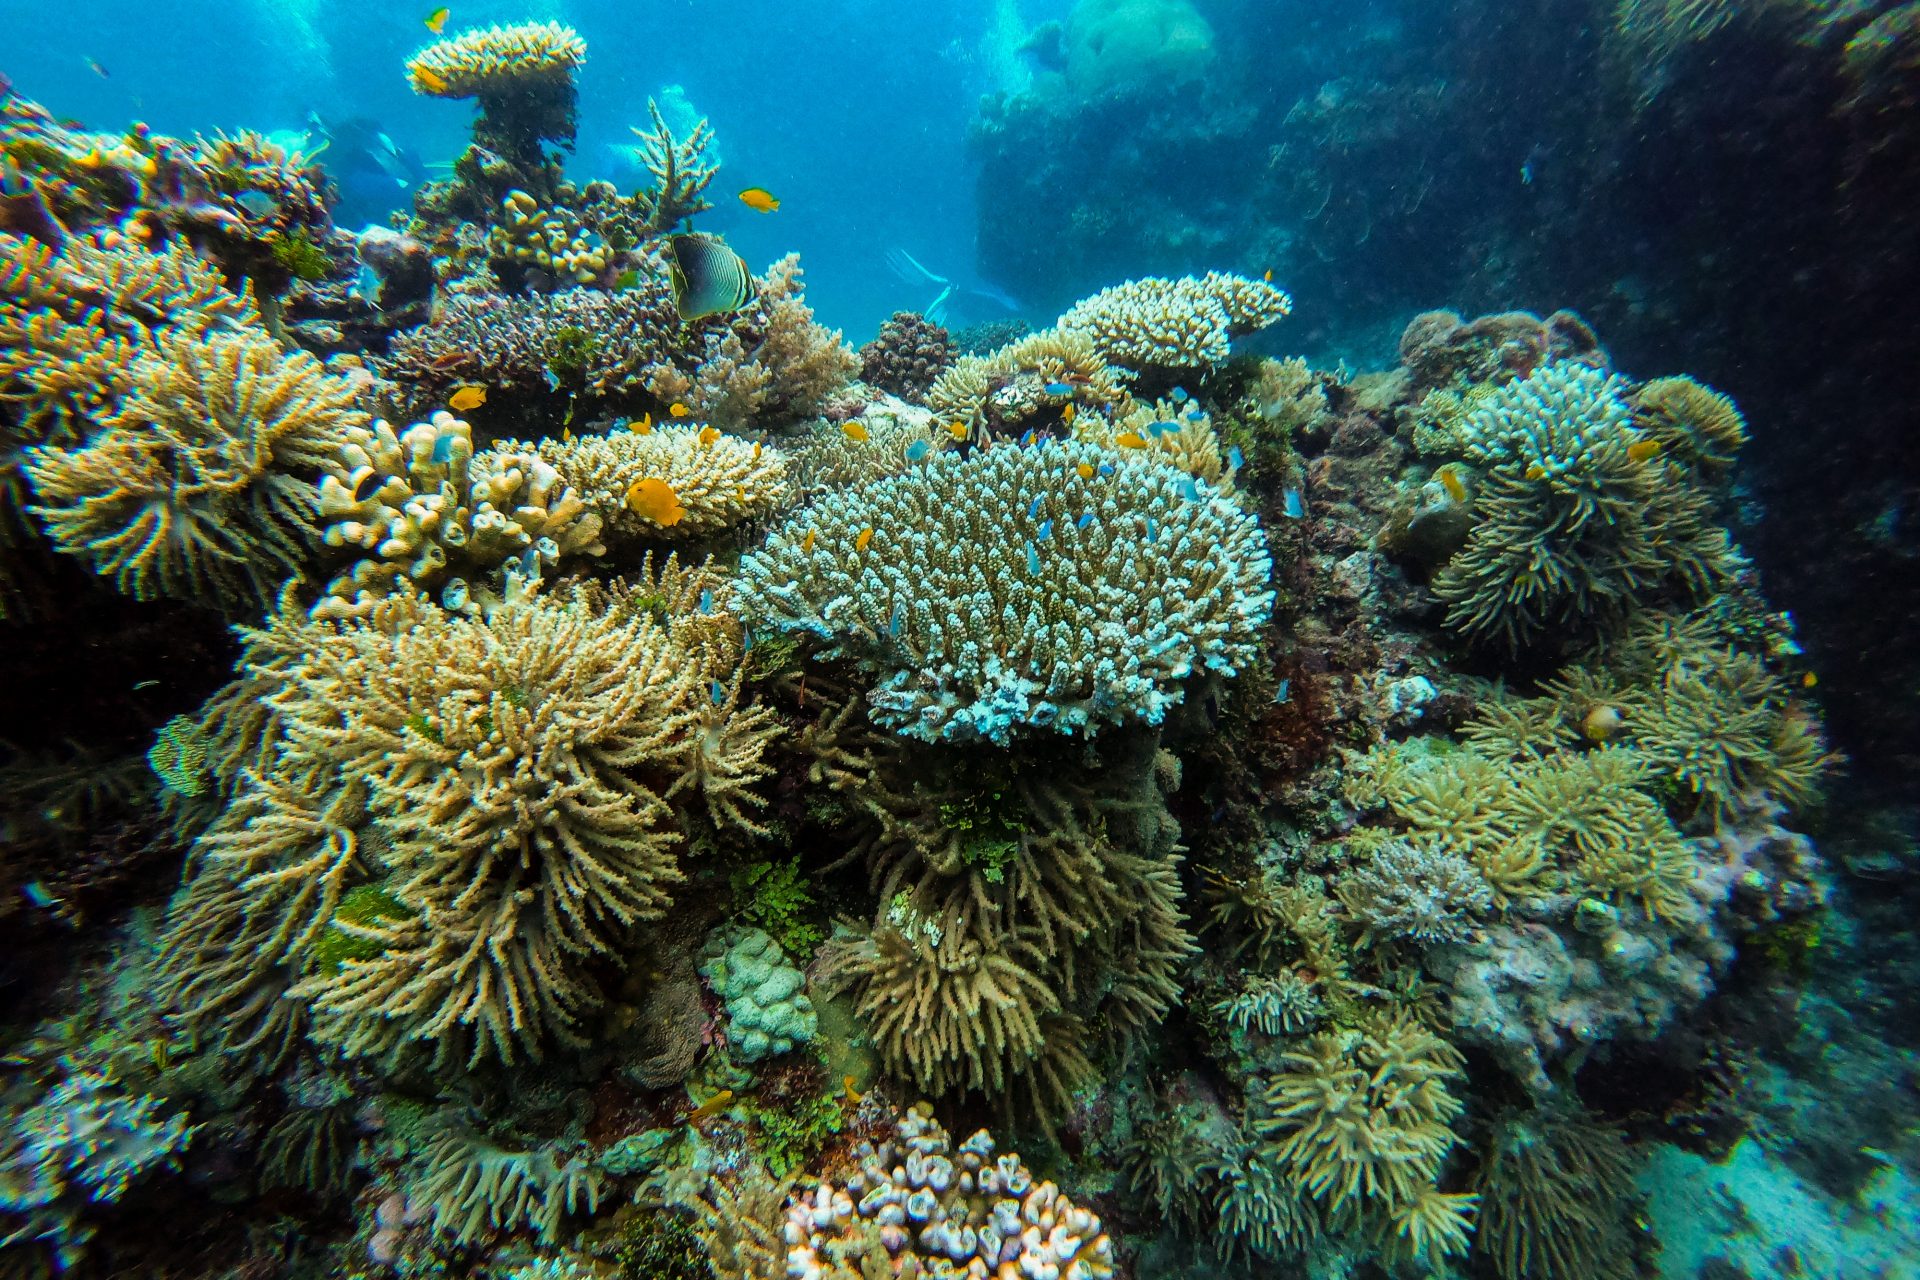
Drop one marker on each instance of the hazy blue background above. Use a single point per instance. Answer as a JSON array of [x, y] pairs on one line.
[[853, 112]]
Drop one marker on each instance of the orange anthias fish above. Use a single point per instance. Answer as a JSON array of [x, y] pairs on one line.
[[854, 430], [1086, 470], [654, 499], [759, 199], [437, 20], [467, 397], [863, 538], [430, 80], [1067, 414], [644, 427], [1641, 450], [708, 435], [958, 430], [678, 410], [711, 1107], [1131, 440]]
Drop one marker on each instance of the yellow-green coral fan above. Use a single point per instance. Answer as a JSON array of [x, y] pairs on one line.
[[464, 818], [1188, 323], [201, 484], [495, 59], [717, 480]]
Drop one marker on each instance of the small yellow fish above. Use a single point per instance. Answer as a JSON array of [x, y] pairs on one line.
[[712, 1106], [437, 20], [1267, 275], [1067, 414], [1131, 440], [467, 397], [1641, 450], [759, 199], [861, 540], [678, 410], [756, 451], [806, 543], [853, 1094], [430, 80], [1601, 722], [854, 430], [958, 430], [1086, 470], [1450, 481], [644, 427], [1809, 680], [1536, 472], [708, 435], [654, 499]]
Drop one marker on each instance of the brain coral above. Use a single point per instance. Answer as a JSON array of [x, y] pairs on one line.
[[496, 59], [1189, 323], [1047, 587]]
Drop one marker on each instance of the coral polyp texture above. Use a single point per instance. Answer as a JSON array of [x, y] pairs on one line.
[[919, 1202], [497, 60], [436, 519], [201, 484], [1188, 323], [1037, 588], [712, 481]]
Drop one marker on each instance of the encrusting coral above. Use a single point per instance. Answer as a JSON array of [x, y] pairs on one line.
[[1188, 323], [952, 1210], [201, 483], [434, 518], [713, 480], [461, 815], [1047, 587]]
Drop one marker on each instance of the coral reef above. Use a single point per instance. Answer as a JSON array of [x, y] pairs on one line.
[[1189, 323], [1032, 378], [716, 481], [906, 356], [953, 1209], [437, 519], [768, 1012], [1059, 628]]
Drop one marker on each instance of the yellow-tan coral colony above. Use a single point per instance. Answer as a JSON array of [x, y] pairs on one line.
[[495, 59]]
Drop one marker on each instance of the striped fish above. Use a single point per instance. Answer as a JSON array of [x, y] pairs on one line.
[[709, 279]]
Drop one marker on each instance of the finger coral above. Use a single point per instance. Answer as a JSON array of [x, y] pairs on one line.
[[435, 518], [1046, 587], [491, 60], [1576, 519], [464, 815], [717, 480], [201, 484], [1188, 323], [951, 1210]]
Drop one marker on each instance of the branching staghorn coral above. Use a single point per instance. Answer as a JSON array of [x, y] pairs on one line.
[[1188, 323], [766, 365], [717, 480], [1579, 515], [681, 171], [1360, 1121], [1557, 1199], [201, 484], [891, 440], [1030, 380], [951, 1209], [1048, 587], [434, 518], [461, 817]]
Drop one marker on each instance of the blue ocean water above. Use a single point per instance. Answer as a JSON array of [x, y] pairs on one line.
[[1306, 623]]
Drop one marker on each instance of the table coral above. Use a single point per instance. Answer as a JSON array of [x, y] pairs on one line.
[[953, 1211], [1188, 323], [200, 485], [497, 59], [1047, 587]]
